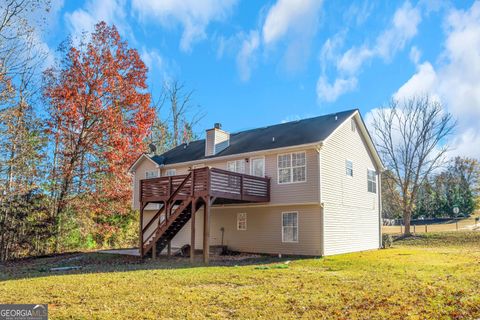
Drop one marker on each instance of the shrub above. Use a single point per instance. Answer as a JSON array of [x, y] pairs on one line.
[[387, 241]]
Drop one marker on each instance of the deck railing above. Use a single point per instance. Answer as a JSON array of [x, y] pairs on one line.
[[208, 181]]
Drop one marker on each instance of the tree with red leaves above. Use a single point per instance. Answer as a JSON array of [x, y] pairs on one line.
[[100, 114]]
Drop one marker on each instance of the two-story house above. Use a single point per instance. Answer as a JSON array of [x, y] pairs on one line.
[[307, 187]]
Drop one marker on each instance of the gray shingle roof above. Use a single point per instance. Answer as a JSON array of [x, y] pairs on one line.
[[286, 135]]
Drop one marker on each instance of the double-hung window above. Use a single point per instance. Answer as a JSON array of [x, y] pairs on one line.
[[242, 221], [372, 181], [170, 172], [151, 174], [236, 166], [349, 168], [292, 167], [257, 167], [290, 227]]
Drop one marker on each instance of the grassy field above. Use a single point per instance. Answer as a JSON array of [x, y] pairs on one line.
[[463, 225], [435, 276]]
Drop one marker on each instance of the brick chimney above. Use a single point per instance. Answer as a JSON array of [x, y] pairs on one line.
[[216, 140]]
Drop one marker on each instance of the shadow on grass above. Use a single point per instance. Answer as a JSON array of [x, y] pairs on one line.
[[95, 262]]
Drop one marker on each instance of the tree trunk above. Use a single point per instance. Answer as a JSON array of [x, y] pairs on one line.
[[407, 217]]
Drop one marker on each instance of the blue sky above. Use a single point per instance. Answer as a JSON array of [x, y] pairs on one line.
[[254, 63]]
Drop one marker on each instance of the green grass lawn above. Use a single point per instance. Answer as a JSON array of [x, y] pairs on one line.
[[436, 276]]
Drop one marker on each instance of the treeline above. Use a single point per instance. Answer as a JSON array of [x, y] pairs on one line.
[[456, 186], [69, 131]]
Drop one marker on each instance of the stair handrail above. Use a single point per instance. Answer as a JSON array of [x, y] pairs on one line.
[[159, 212], [167, 203], [174, 194]]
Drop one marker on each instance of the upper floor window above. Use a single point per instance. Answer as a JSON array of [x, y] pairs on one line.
[[349, 168], [236, 166], [290, 227], [257, 167], [353, 125], [170, 172], [292, 167], [242, 221], [372, 181], [149, 174]]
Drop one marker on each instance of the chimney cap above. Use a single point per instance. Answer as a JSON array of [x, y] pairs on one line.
[[217, 125]]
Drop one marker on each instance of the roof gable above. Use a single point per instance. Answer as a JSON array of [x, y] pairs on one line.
[[139, 160]]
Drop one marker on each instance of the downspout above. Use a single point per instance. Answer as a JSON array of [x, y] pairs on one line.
[[380, 208], [322, 218]]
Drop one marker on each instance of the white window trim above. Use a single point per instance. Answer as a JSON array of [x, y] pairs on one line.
[[169, 175], [345, 170], [235, 162], [250, 162], [291, 174], [376, 181], [298, 226], [246, 221], [353, 124]]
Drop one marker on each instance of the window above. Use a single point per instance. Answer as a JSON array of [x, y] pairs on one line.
[[257, 167], [241, 221], [236, 166], [151, 174], [170, 172], [290, 227], [372, 181], [292, 167], [353, 125], [349, 168]]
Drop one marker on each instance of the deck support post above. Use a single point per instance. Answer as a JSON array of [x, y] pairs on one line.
[[192, 233], [206, 231], [169, 248], [140, 247], [154, 250]]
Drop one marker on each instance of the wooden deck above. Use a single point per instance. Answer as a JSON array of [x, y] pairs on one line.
[[181, 196], [225, 186]]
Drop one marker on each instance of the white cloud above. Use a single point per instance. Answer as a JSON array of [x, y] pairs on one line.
[[330, 92], [83, 19], [421, 83], [403, 27], [151, 58], [293, 23], [289, 15], [193, 15], [288, 24], [455, 80], [245, 55], [358, 13], [415, 54], [353, 59]]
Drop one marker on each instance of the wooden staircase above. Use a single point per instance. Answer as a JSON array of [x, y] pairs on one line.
[[170, 219]]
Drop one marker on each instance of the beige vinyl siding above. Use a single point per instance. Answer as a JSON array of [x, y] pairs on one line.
[[351, 213], [264, 230], [144, 166], [216, 140], [209, 142]]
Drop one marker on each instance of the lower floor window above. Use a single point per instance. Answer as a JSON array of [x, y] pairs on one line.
[[290, 227], [241, 221]]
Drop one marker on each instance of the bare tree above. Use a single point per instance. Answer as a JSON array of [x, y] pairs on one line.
[[411, 139], [182, 115]]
